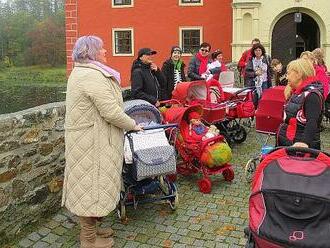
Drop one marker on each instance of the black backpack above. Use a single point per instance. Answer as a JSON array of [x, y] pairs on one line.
[[327, 107]]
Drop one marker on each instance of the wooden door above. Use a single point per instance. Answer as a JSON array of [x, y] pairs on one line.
[[284, 39]]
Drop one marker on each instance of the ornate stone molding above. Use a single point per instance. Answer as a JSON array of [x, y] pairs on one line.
[[246, 5]]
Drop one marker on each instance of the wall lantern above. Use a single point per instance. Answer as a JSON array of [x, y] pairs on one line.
[[297, 17]]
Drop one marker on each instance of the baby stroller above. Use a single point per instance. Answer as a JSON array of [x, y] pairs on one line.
[[240, 107], [269, 116], [148, 159], [289, 204], [211, 97], [209, 157]]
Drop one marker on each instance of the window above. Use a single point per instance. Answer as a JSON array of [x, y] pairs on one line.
[[122, 3], [122, 42], [190, 39], [191, 2]]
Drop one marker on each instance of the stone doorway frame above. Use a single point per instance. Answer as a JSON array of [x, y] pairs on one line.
[[265, 14], [308, 12]]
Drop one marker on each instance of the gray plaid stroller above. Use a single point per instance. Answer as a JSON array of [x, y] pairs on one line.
[[148, 158]]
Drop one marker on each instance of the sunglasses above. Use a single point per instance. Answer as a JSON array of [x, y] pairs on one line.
[[204, 50]]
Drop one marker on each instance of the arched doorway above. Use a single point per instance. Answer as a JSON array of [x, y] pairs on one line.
[[290, 38]]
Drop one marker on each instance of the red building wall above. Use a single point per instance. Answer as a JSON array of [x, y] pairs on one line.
[[156, 24]]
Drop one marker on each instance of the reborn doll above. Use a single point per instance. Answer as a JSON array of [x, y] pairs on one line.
[[198, 130], [196, 126]]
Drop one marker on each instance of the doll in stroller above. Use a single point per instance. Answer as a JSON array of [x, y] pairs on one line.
[[201, 148]]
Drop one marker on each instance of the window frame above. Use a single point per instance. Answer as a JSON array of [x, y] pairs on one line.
[[122, 6], [181, 29], [114, 30], [191, 4]]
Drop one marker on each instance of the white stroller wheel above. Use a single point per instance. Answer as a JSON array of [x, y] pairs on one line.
[[174, 204], [250, 168], [121, 209]]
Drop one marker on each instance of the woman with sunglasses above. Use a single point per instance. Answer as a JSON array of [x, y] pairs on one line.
[[198, 65]]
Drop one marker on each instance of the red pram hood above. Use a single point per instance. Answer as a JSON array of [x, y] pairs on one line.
[[269, 114], [207, 91]]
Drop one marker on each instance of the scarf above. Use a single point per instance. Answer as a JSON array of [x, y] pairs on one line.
[[204, 61], [177, 65], [108, 69], [305, 83]]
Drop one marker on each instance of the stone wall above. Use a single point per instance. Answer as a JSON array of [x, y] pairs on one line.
[[31, 166]]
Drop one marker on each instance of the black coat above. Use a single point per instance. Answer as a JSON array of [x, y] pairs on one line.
[[146, 83], [168, 72]]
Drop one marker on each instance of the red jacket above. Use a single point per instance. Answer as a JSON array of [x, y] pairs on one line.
[[247, 54], [321, 75]]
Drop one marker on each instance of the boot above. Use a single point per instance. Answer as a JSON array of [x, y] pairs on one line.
[[103, 232], [88, 237]]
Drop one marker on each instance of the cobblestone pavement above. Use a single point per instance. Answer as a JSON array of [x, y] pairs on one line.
[[201, 220]]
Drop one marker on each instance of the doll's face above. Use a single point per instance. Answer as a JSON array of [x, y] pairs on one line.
[[195, 121]]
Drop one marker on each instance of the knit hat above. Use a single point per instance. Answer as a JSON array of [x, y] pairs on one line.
[[176, 48], [194, 115]]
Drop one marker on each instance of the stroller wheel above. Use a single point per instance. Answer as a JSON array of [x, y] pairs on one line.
[[205, 185], [174, 201], [240, 135], [228, 174], [121, 209], [250, 168]]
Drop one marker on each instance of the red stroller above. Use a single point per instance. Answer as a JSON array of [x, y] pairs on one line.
[[269, 116], [217, 109], [195, 154], [289, 202]]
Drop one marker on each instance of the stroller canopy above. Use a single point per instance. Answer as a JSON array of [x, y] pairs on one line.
[[142, 112], [209, 91]]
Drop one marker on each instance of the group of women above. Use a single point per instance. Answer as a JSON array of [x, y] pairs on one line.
[[151, 83], [95, 120]]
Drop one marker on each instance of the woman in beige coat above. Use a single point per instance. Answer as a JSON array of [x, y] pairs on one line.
[[94, 126]]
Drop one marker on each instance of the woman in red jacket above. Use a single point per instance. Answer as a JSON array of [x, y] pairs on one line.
[[320, 69]]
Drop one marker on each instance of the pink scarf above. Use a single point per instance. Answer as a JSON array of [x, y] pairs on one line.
[[108, 69]]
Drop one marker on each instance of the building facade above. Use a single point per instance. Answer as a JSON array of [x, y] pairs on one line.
[[128, 25], [285, 27]]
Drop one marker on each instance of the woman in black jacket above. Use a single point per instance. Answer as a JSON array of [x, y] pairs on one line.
[[303, 111], [146, 78], [173, 71]]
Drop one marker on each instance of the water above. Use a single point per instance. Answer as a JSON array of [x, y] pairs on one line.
[[16, 98]]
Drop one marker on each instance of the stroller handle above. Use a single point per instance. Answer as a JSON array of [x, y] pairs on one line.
[[250, 88], [170, 102], [155, 127], [161, 126], [218, 138], [300, 150]]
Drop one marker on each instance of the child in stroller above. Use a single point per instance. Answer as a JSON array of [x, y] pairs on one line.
[[148, 159]]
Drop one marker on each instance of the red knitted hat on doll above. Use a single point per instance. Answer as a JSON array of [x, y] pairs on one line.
[[194, 115]]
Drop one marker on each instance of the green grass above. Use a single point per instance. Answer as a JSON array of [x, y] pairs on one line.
[[34, 75]]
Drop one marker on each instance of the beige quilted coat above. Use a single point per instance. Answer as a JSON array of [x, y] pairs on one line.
[[94, 126]]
